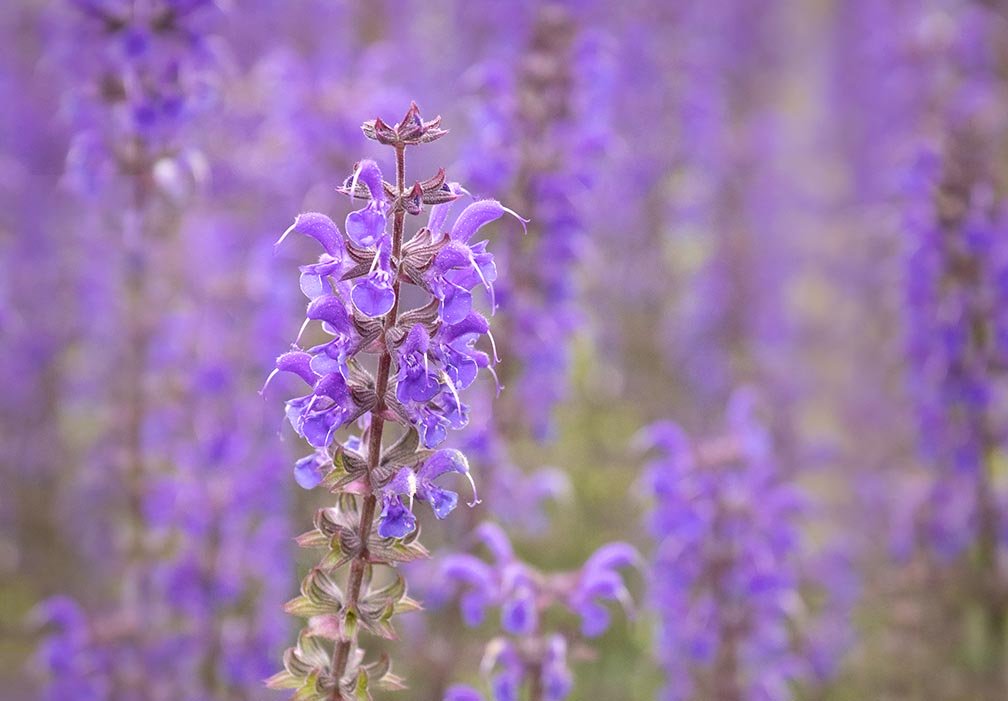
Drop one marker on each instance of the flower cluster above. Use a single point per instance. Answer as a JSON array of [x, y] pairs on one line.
[[149, 67], [523, 594], [520, 497], [725, 243], [354, 284], [426, 357], [727, 575], [956, 296], [192, 503], [557, 99]]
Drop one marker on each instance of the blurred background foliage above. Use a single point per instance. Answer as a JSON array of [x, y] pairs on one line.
[[743, 222]]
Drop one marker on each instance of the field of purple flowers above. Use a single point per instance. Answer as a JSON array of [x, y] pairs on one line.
[[455, 350]]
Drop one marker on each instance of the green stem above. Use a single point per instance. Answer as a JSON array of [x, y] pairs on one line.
[[341, 653]]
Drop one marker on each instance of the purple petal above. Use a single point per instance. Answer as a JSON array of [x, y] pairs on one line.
[[318, 428], [373, 295], [448, 460], [473, 606], [403, 482], [519, 615], [319, 227], [477, 215], [333, 386], [456, 305], [368, 172], [312, 285], [594, 619], [461, 693], [420, 387], [614, 556], [396, 521], [296, 362], [330, 309], [439, 212], [366, 227], [505, 686], [442, 501], [417, 341], [308, 471], [496, 541], [432, 430]]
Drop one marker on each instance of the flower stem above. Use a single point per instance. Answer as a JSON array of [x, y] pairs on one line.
[[726, 681], [138, 337], [992, 593], [135, 400], [535, 683], [341, 653]]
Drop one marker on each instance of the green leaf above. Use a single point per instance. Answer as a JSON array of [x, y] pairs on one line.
[[381, 667], [408, 605], [312, 539], [303, 607], [387, 550], [336, 474], [309, 692], [333, 560], [350, 621], [310, 689], [321, 588], [361, 688], [284, 680], [394, 590], [375, 615], [380, 673], [390, 682]]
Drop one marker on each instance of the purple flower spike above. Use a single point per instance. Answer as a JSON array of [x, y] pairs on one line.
[[420, 361], [523, 594], [727, 540]]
